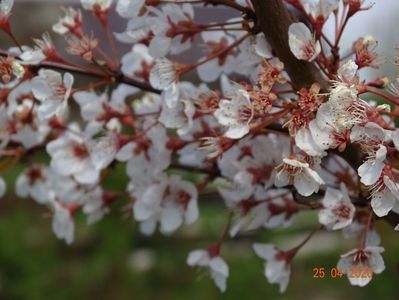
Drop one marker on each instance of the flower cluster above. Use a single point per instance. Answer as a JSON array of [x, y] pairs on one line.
[[268, 146]]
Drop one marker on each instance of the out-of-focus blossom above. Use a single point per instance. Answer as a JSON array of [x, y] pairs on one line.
[[366, 260], [52, 89], [277, 264], [338, 210], [210, 259]]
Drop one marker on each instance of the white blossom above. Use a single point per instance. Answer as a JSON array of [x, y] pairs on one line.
[[63, 224], [277, 268], [302, 43], [321, 8], [138, 62], [236, 114], [362, 259], [33, 182], [218, 269], [384, 196], [70, 156], [163, 74], [165, 40], [170, 202], [52, 89], [102, 5], [338, 210], [71, 22], [129, 8], [5, 8], [293, 171]]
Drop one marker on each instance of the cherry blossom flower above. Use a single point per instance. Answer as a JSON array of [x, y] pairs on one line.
[[270, 209], [210, 259], [52, 89], [71, 23], [102, 111], [11, 71], [253, 168], [277, 265], [252, 52], [100, 5], [178, 110], [300, 174], [95, 204], [236, 114], [138, 30], [164, 74], [82, 46], [320, 11], [338, 210], [235, 190], [22, 123], [384, 195], [168, 27], [70, 156], [334, 119], [138, 63], [103, 150], [362, 259], [146, 154], [347, 73], [216, 41], [67, 190], [169, 202], [63, 224], [33, 183], [364, 49], [129, 8], [5, 11], [302, 44], [33, 56], [371, 138]]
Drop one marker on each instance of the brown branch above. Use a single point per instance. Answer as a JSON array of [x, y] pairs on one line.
[[274, 20], [119, 77]]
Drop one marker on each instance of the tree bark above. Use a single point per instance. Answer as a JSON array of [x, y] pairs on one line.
[[274, 20]]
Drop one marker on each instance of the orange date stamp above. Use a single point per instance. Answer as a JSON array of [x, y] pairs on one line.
[[355, 272]]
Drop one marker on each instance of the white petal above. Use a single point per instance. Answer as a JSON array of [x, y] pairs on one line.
[[301, 42], [171, 219], [265, 251], [198, 257], [382, 203], [370, 171]]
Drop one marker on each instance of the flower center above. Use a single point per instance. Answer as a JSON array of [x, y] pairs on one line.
[[80, 151]]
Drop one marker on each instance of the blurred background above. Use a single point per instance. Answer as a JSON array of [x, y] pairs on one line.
[[111, 260]]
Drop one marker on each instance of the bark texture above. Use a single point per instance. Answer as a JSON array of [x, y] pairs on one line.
[[274, 20]]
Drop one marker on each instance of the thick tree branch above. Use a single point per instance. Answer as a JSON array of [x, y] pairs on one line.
[[274, 20]]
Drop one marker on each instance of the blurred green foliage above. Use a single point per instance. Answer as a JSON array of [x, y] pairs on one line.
[[103, 263], [105, 260]]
